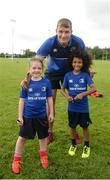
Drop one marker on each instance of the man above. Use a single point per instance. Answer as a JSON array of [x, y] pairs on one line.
[[58, 50]]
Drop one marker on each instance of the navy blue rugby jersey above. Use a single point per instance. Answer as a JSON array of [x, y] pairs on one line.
[[75, 84], [35, 98], [58, 56]]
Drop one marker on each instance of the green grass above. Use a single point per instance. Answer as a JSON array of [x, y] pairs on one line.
[[61, 166]]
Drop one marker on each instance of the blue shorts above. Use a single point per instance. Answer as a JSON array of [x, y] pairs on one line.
[[33, 126], [76, 118]]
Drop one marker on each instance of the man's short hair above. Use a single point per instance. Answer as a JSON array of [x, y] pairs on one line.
[[64, 22]]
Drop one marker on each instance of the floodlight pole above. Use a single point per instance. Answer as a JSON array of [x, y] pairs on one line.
[[13, 29]]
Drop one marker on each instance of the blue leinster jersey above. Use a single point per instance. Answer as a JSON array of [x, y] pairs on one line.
[[75, 84], [58, 56], [35, 98]]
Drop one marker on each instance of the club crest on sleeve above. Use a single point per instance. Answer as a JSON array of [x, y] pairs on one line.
[[81, 80], [43, 88], [76, 85]]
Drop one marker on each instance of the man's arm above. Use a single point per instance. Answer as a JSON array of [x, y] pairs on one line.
[[45, 48]]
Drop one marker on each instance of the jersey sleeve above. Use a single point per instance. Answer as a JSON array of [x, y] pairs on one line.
[[23, 93], [79, 42], [83, 44], [89, 80], [49, 89], [45, 48]]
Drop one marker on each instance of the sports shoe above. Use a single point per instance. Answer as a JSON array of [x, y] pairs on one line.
[[86, 152], [50, 138], [44, 159], [72, 150], [78, 140], [96, 94], [16, 166]]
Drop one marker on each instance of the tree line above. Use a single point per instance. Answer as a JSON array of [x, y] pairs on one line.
[[100, 53], [97, 53], [25, 54]]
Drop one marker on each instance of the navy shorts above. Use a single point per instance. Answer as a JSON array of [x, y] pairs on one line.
[[76, 118], [33, 126], [55, 80], [56, 84]]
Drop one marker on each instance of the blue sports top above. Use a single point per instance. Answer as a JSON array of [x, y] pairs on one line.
[[58, 56], [75, 84], [35, 98]]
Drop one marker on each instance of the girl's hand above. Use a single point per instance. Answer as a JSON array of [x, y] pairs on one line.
[[78, 97], [70, 98], [20, 121], [50, 118]]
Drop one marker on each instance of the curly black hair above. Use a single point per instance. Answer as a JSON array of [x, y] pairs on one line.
[[86, 58]]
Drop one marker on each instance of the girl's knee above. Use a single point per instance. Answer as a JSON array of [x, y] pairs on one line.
[[21, 139]]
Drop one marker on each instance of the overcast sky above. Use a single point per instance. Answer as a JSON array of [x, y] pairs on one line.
[[36, 20]]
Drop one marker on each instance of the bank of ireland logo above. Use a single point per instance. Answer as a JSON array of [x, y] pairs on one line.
[[81, 80], [43, 89], [37, 94], [76, 85]]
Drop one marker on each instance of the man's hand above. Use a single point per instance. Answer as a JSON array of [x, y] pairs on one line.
[[92, 73]]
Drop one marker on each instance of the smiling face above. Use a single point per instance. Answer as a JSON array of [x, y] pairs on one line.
[[77, 64], [36, 70], [63, 34]]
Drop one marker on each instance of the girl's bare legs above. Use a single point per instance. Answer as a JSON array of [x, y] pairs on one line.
[[73, 133], [19, 145], [16, 164], [43, 153], [86, 136], [73, 147], [86, 148], [43, 144]]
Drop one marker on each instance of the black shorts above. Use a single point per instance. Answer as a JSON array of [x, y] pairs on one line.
[[76, 118], [56, 80], [56, 84], [31, 126]]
